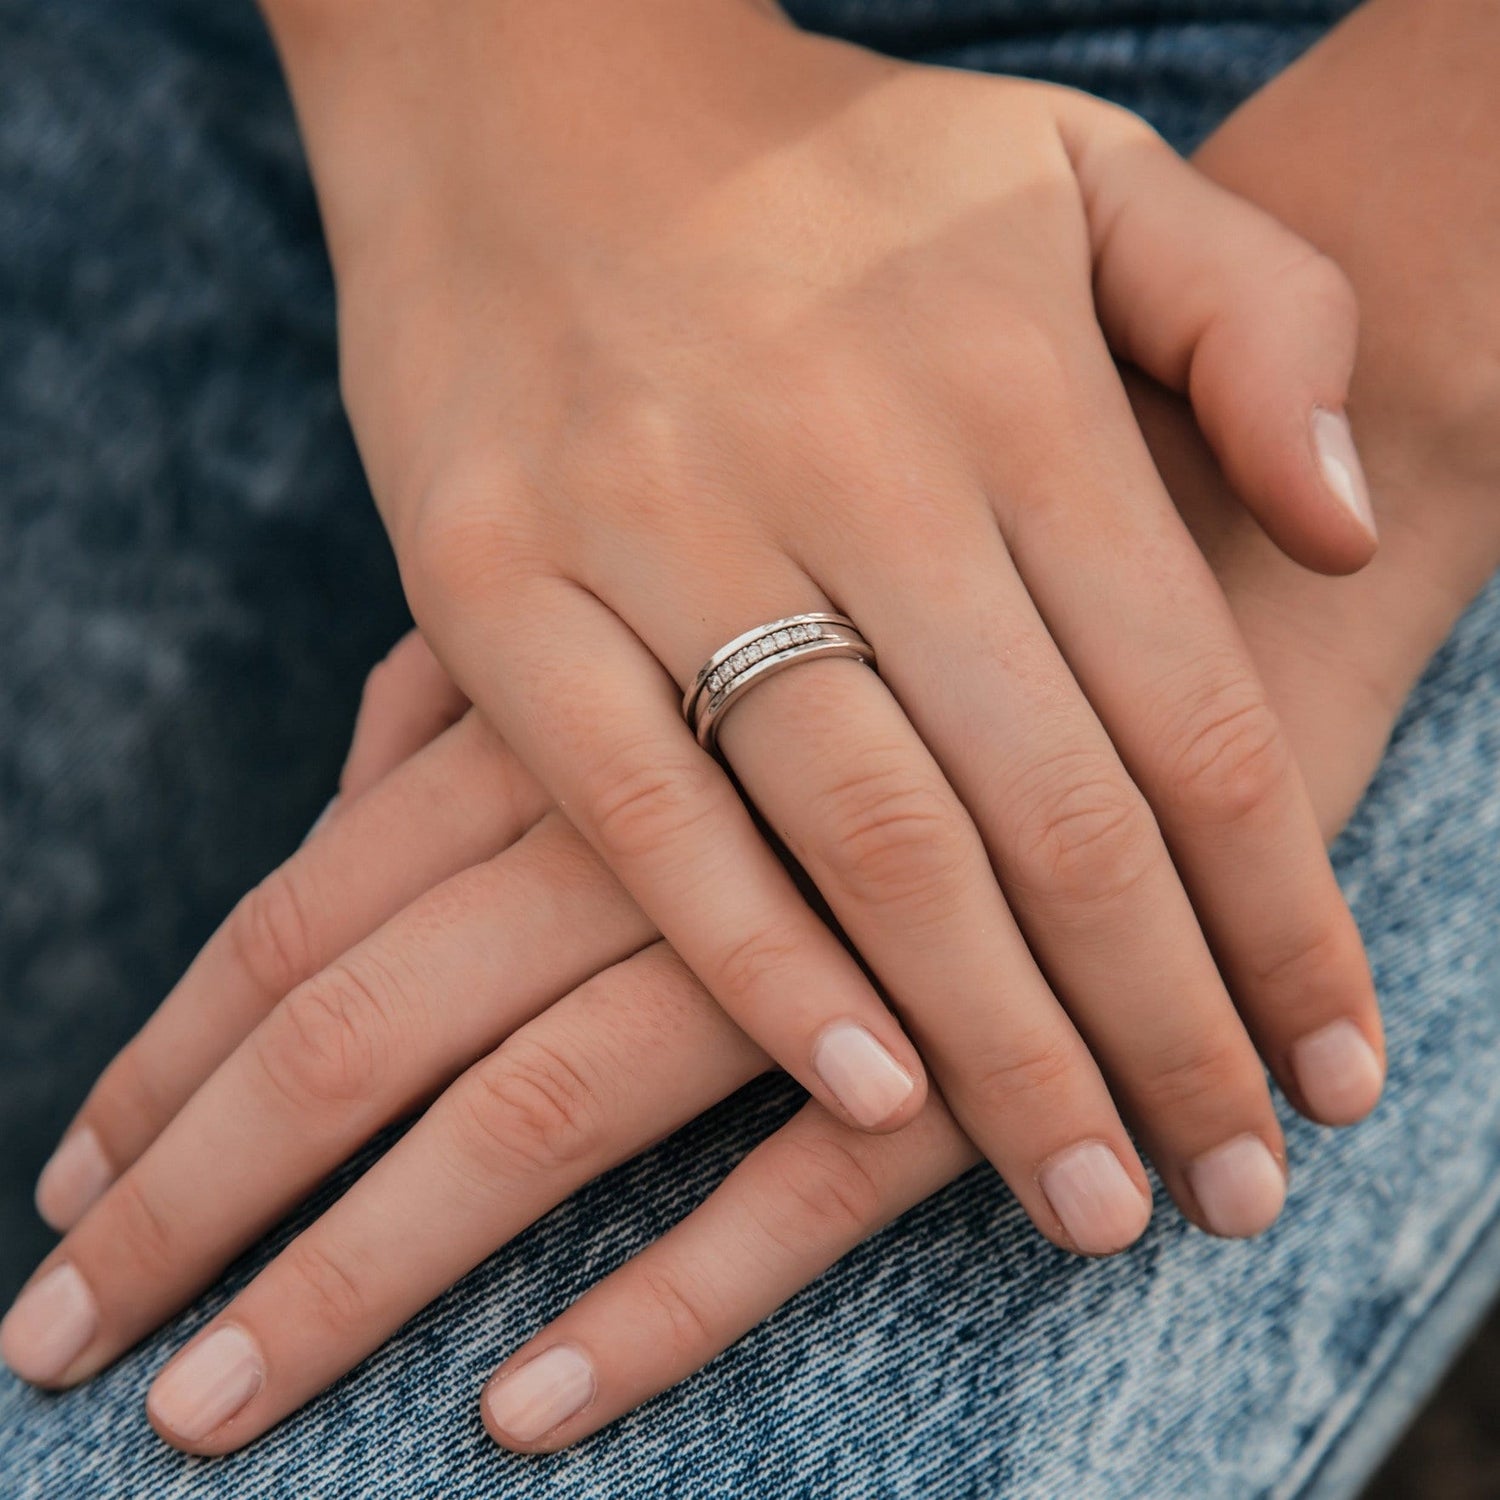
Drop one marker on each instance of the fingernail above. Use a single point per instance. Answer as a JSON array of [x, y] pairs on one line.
[[860, 1073], [207, 1383], [1100, 1207], [52, 1323], [75, 1176], [1339, 460], [529, 1402], [1239, 1187], [1338, 1072]]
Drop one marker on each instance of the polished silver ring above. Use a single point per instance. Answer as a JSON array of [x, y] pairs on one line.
[[735, 668]]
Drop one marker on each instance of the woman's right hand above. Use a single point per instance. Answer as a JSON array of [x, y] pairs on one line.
[[659, 321]]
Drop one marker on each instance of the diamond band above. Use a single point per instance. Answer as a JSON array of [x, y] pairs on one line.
[[759, 653], [767, 645]]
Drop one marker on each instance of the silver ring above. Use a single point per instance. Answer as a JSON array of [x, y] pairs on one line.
[[760, 653]]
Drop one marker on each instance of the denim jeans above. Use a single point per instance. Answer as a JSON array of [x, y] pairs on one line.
[[193, 582]]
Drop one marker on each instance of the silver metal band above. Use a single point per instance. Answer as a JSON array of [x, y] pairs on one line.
[[760, 653]]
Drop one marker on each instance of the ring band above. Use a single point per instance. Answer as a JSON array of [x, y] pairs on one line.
[[760, 653]]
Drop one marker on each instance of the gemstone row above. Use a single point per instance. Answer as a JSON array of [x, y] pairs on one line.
[[758, 650]]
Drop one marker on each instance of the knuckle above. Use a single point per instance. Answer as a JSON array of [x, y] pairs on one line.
[[650, 800], [271, 936], [530, 1105], [1085, 836], [689, 1322], [459, 547], [1232, 760], [1320, 281], [324, 1044], [757, 963], [1030, 376], [139, 1234], [324, 1288], [1030, 1074], [1196, 1076], [1322, 964], [642, 444], [893, 838], [130, 1098], [823, 1190]]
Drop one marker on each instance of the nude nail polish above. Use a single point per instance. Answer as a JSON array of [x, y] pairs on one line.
[[207, 1383], [1338, 458], [1338, 1072], [52, 1322], [1240, 1187], [528, 1402], [1091, 1192], [74, 1178], [860, 1073]]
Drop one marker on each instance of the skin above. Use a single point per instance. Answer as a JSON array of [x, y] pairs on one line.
[[753, 296], [334, 986]]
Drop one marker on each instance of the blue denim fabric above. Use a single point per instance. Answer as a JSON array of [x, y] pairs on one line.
[[192, 579]]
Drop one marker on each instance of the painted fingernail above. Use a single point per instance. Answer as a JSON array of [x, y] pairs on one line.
[[1100, 1207], [1239, 1186], [1342, 470], [52, 1323], [75, 1176], [860, 1073], [529, 1402], [1338, 1072], [207, 1383]]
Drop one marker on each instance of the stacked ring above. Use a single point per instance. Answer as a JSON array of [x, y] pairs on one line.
[[760, 653]]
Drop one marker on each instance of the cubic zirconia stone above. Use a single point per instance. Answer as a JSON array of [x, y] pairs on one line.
[[782, 639]]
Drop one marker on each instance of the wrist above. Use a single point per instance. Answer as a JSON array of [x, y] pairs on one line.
[[575, 107]]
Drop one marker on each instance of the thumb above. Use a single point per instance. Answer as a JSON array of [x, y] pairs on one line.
[[1218, 301]]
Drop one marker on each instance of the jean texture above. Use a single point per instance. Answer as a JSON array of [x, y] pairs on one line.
[[192, 583]]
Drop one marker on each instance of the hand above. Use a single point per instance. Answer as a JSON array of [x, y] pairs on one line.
[[548, 1108], [368, 1030], [133, 1249], [786, 325], [1338, 657]]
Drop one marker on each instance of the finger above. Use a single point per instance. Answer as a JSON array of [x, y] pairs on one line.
[[580, 698], [828, 757], [1173, 684], [630, 1056], [1083, 866], [788, 1211], [458, 802], [871, 818], [357, 1046], [1220, 302], [408, 701]]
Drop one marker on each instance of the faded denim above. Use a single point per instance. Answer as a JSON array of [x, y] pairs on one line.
[[191, 583]]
